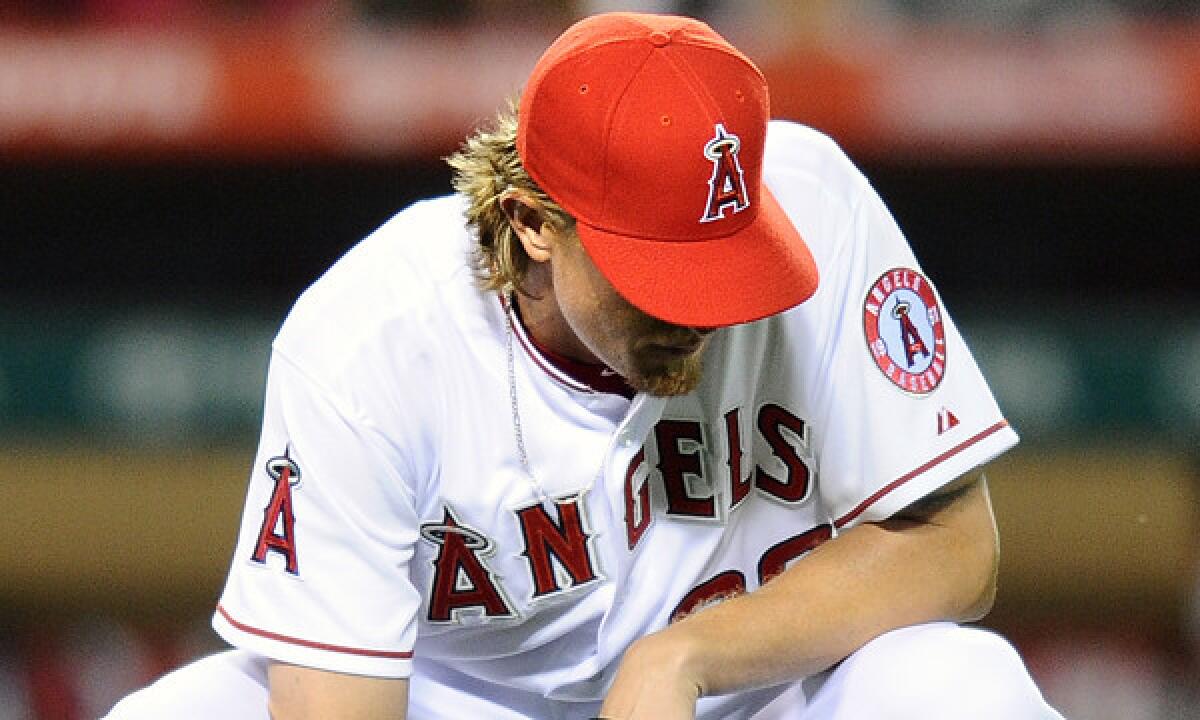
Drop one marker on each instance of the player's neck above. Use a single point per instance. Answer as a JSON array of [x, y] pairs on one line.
[[543, 320]]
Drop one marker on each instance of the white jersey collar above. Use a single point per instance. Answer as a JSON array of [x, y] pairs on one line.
[[573, 374]]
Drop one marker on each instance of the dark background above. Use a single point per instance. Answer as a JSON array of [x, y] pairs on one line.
[[226, 234]]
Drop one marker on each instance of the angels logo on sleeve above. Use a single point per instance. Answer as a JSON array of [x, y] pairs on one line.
[[278, 531], [903, 326]]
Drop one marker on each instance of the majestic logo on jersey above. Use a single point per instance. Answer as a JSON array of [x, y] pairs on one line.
[[727, 186], [278, 532], [946, 421], [904, 330]]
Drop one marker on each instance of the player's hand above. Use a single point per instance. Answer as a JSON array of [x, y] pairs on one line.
[[654, 682]]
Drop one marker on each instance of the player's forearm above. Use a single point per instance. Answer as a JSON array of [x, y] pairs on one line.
[[871, 579], [300, 693]]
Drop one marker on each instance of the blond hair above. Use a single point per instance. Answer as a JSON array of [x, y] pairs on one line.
[[485, 167]]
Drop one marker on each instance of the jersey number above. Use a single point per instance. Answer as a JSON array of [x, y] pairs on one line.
[[733, 582]]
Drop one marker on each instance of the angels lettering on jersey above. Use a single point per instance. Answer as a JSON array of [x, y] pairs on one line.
[[686, 472], [695, 472]]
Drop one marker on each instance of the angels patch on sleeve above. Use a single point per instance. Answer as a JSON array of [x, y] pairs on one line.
[[904, 331], [278, 532]]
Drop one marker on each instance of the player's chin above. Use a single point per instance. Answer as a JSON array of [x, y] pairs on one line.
[[678, 377]]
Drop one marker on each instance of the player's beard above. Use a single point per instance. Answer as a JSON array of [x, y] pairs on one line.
[[676, 378]]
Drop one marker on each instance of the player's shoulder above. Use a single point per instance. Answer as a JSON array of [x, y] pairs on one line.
[[798, 158], [818, 186], [406, 256], [382, 290]]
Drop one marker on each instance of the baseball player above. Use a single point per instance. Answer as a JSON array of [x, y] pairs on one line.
[[672, 426]]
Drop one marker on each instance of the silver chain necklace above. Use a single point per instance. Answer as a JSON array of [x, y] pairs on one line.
[[511, 319], [522, 454]]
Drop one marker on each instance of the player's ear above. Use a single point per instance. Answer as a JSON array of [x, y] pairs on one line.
[[528, 224]]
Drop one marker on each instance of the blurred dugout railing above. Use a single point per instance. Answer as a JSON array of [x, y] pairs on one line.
[[128, 430]]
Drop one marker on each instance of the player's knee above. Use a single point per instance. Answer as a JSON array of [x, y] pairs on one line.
[[939, 671], [230, 685], [141, 705]]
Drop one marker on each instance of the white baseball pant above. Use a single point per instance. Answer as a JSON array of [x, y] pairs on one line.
[[937, 671]]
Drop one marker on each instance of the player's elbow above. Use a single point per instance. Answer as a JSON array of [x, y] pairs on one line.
[[960, 528], [984, 559]]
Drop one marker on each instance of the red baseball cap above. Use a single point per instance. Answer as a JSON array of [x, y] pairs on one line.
[[649, 131]]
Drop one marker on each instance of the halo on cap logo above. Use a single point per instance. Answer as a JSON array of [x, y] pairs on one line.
[[727, 186], [904, 330]]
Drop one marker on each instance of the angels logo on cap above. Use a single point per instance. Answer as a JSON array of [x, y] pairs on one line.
[[903, 325], [727, 186]]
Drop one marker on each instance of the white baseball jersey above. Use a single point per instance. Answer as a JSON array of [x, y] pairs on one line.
[[390, 528]]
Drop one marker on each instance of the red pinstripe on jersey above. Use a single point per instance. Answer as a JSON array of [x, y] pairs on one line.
[[311, 644], [845, 519]]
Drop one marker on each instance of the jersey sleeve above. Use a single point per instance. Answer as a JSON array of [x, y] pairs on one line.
[[320, 576], [903, 408]]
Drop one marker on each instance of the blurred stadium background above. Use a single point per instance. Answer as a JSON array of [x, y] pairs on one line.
[[174, 172]]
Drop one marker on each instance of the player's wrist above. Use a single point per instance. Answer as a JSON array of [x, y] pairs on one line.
[[681, 653], [669, 656]]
